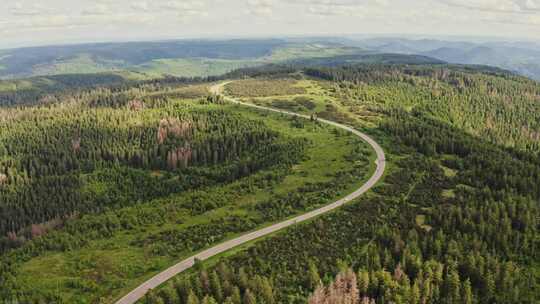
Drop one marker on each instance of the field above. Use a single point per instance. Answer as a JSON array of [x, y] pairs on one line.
[[303, 96], [81, 63], [311, 50], [192, 67]]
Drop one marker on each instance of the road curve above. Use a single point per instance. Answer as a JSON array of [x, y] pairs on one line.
[[167, 274]]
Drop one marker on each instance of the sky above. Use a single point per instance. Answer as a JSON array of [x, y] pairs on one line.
[[40, 22]]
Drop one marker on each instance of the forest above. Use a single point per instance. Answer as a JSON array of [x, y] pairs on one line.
[[103, 186], [455, 220]]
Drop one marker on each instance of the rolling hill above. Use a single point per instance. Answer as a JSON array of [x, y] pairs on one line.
[[103, 185], [189, 58], [520, 57], [200, 58]]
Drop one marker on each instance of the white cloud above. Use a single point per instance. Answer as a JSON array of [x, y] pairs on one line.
[[23, 9], [184, 5], [327, 10], [64, 22], [29, 20], [501, 6], [98, 9], [260, 7], [529, 5], [526, 20], [140, 6], [185, 10], [351, 8]]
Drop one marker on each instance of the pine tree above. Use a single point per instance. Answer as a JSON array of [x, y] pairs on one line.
[[249, 298], [313, 276], [224, 272], [205, 282], [215, 286], [192, 298], [266, 291], [415, 293], [453, 287], [236, 297], [209, 300], [490, 286], [168, 294], [183, 289], [242, 278], [363, 282], [152, 298], [467, 292], [228, 300]]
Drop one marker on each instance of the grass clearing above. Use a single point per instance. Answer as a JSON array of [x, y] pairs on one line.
[[192, 67], [420, 222], [448, 172], [106, 268], [449, 193]]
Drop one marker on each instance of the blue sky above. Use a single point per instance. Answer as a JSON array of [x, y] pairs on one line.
[[33, 22]]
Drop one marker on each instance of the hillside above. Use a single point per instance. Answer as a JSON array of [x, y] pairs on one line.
[[520, 57], [113, 184], [103, 185], [187, 58], [455, 220], [201, 58]]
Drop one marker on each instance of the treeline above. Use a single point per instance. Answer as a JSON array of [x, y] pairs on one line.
[[372, 73], [498, 106], [222, 285], [275, 71], [61, 161], [90, 88]]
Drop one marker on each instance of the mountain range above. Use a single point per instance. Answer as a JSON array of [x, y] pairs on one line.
[[214, 57], [519, 57]]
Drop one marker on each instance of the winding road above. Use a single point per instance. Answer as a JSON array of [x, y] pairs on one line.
[[167, 274]]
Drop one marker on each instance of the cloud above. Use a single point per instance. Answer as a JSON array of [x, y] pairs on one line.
[[529, 20], [328, 8], [499, 6], [98, 9], [184, 5], [141, 6], [186, 9], [528, 5], [20, 9], [260, 7], [64, 21]]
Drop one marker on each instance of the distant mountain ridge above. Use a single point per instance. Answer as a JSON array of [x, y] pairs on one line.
[[199, 58], [520, 57], [100, 57], [188, 58]]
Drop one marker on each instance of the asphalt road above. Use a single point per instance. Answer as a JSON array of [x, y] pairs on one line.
[[167, 274]]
